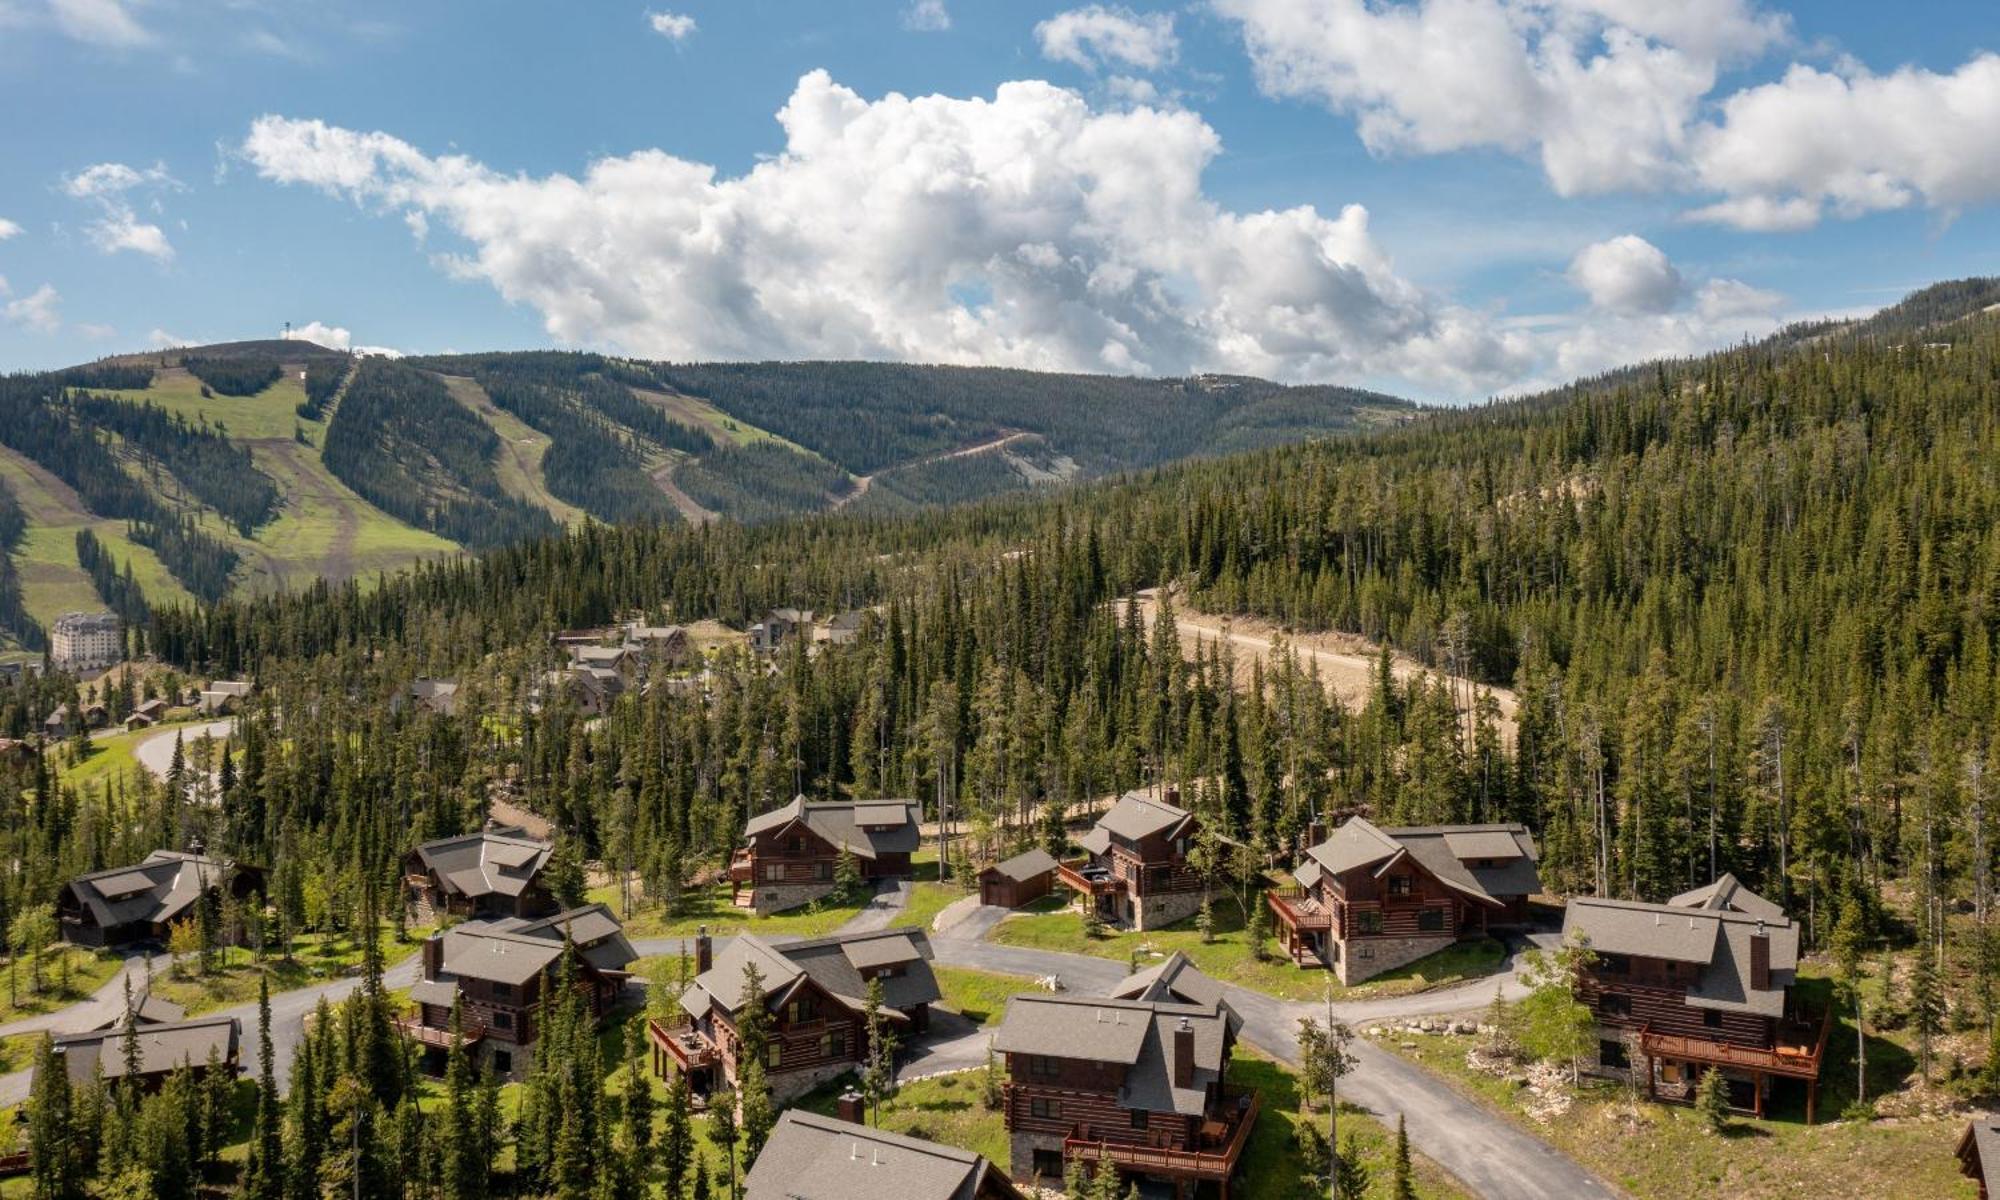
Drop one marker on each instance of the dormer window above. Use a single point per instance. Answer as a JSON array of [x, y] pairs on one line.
[[1399, 885]]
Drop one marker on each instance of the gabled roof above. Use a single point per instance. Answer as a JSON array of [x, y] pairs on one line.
[[1449, 853], [1979, 1151], [868, 828], [836, 965], [156, 891], [161, 1047], [1135, 1034], [492, 862], [1177, 980], [812, 1157], [1023, 867], [513, 950], [1728, 893], [108, 1012], [1714, 941], [1136, 816]]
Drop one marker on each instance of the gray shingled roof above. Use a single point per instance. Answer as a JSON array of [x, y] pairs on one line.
[[1446, 851], [1728, 893], [157, 890], [811, 1157], [1985, 1135], [862, 827], [161, 1047], [1177, 980], [514, 951], [1135, 816], [493, 862], [834, 964], [1715, 941], [1137, 1034], [1023, 867]]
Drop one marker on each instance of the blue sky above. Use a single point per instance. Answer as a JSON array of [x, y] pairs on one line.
[[1446, 199]]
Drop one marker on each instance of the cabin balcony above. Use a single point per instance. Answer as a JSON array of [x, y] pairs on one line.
[[687, 1046], [1224, 1133], [1795, 1053], [741, 868], [413, 1027], [1088, 880], [1299, 912]]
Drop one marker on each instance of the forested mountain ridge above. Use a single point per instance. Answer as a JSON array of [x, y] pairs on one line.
[[249, 466]]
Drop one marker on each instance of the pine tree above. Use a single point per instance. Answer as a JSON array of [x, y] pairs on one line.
[[1926, 1007], [1404, 1184], [52, 1146], [1711, 1101], [264, 1166], [878, 1070], [1351, 1175], [677, 1155], [723, 1131]]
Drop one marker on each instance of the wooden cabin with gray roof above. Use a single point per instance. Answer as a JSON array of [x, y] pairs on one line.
[[817, 995], [1700, 983], [1135, 870], [1136, 1082], [121, 906], [814, 1157], [496, 872], [163, 1047], [500, 971], [1369, 899], [791, 853]]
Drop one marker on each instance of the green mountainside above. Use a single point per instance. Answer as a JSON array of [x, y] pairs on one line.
[[247, 467]]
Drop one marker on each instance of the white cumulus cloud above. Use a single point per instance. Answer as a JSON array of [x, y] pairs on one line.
[[8, 229], [110, 187], [1851, 142], [1114, 36], [335, 337], [675, 27], [37, 310], [927, 16], [1626, 275], [1023, 229]]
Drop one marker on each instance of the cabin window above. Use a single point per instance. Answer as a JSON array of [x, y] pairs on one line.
[[1367, 921], [1611, 1053], [1399, 885], [503, 991], [892, 971], [1711, 1018], [1612, 1005], [503, 1020], [774, 1056], [1140, 1117], [774, 873], [1614, 964], [1431, 920], [834, 1045], [1043, 1065], [503, 1062], [800, 1010], [822, 871], [1042, 1108], [1160, 877], [1049, 1164], [798, 845]]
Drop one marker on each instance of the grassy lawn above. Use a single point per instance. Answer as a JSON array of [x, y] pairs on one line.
[[927, 900], [1228, 956], [1661, 1150], [315, 959], [979, 996], [70, 975], [711, 907]]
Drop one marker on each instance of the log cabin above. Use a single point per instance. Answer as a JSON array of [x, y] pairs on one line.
[[813, 1157], [1135, 1083], [1135, 870], [163, 1048], [792, 852], [493, 873], [500, 971], [1700, 983], [121, 906], [816, 993], [1369, 900]]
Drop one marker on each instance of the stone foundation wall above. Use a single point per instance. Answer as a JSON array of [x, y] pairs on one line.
[[1152, 912], [1362, 959], [790, 1085], [777, 897], [1021, 1159]]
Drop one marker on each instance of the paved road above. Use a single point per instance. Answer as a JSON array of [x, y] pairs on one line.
[[156, 753], [109, 1000]]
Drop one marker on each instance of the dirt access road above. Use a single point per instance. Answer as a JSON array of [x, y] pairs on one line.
[[1346, 664], [863, 482]]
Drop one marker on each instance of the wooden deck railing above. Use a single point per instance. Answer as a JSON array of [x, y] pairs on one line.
[[1071, 876], [1291, 911], [429, 1035], [1219, 1163], [1799, 1059], [690, 1049]]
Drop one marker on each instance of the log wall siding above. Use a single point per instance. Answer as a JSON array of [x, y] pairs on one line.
[[1094, 1116], [801, 1043], [1666, 1010], [1160, 873], [805, 857]]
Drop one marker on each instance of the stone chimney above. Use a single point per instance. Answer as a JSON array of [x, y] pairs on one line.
[[1173, 796], [1760, 959], [850, 1107], [433, 956], [1184, 1054], [1315, 832], [704, 950]]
